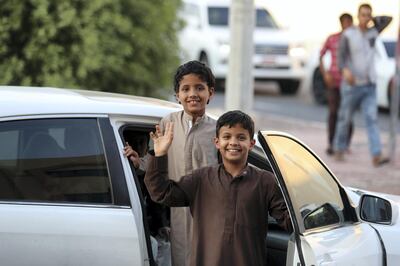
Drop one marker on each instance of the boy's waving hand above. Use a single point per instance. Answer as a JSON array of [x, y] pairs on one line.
[[162, 142]]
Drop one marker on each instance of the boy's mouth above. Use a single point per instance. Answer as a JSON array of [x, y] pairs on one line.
[[233, 150], [192, 101]]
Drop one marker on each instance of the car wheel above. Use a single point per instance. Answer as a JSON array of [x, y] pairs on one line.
[[289, 87], [390, 91], [219, 84], [318, 87], [204, 58]]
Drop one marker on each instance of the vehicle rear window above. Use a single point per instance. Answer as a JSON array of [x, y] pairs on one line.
[[53, 160], [219, 16], [390, 48]]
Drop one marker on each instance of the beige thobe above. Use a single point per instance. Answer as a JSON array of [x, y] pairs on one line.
[[192, 147]]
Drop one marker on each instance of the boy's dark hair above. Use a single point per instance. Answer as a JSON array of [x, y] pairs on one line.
[[345, 16], [233, 118], [197, 68]]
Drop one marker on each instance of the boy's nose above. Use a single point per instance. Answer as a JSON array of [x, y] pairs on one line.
[[192, 91]]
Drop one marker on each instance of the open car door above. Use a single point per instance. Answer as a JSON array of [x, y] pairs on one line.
[[327, 230]]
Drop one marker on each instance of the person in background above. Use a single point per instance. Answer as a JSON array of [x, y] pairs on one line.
[[332, 79], [356, 62]]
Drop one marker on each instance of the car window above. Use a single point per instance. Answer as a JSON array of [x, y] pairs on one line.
[[314, 194], [53, 160], [219, 16], [264, 19], [390, 48]]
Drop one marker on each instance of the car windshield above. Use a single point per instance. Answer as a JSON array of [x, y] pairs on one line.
[[390, 48], [219, 16]]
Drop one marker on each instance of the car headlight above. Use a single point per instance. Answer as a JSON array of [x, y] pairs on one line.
[[297, 51], [224, 48]]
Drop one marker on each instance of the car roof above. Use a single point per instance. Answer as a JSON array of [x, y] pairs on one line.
[[27, 101]]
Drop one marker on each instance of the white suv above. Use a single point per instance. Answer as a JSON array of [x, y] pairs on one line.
[[205, 37]]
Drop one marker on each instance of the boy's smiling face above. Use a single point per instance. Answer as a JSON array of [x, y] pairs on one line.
[[234, 144], [194, 94]]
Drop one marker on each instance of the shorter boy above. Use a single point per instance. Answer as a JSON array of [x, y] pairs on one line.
[[229, 202]]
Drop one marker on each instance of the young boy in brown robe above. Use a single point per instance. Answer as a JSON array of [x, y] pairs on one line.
[[229, 202]]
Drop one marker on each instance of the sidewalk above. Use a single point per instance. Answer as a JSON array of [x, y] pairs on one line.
[[357, 170]]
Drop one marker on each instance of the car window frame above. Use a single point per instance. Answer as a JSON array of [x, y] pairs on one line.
[[119, 192], [137, 126], [347, 205]]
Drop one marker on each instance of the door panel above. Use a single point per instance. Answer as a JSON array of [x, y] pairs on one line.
[[327, 230], [67, 235]]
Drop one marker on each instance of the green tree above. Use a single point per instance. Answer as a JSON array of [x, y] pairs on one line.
[[126, 46]]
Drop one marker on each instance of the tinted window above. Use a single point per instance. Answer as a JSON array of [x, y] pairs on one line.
[[56, 160], [219, 16], [314, 193], [390, 48], [264, 19]]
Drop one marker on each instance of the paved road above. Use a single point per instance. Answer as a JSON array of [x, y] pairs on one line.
[[267, 99], [306, 121]]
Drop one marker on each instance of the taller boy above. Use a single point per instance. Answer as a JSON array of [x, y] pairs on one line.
[[192, 147]]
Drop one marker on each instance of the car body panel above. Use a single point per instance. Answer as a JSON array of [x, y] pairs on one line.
[[341, 240], [68, 235]]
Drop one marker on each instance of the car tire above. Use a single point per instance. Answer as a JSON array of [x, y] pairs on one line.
[[289, 87], [389, 90], [318, 87], [219, 84], [204, 58]]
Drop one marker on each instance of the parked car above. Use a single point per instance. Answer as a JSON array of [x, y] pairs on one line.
[[68, 196], [385, 69], [205, 37]]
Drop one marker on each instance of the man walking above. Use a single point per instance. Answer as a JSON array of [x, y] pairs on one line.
[[356, 62], [332, 79]]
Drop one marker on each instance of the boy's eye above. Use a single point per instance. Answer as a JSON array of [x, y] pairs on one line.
[[200, 88]]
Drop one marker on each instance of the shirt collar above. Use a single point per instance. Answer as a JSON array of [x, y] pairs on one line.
[[188, 117], [243, 173]]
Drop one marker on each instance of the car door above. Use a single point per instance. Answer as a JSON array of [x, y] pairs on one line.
[[63, 195], [327, 230]]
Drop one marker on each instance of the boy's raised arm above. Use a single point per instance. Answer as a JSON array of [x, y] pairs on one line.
[[160, 187]]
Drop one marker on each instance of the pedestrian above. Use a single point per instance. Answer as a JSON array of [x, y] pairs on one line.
[[356, 61], [332, 79], [229, 202]]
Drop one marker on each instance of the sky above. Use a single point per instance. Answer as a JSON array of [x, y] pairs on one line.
[[314, 20]]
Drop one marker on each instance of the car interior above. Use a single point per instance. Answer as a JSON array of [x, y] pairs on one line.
[[277, 238]]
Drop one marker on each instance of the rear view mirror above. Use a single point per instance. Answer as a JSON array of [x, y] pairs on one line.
[[375, 210]]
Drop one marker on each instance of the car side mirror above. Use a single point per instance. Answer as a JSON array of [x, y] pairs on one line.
[[374, 209]]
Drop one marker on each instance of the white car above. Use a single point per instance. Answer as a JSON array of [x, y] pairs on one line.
[[68, 196], [205, 37], [385, 70]]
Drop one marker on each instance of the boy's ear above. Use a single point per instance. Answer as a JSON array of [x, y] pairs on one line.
[[177, 97], [252, 143], [211, 90], [216, 142]]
